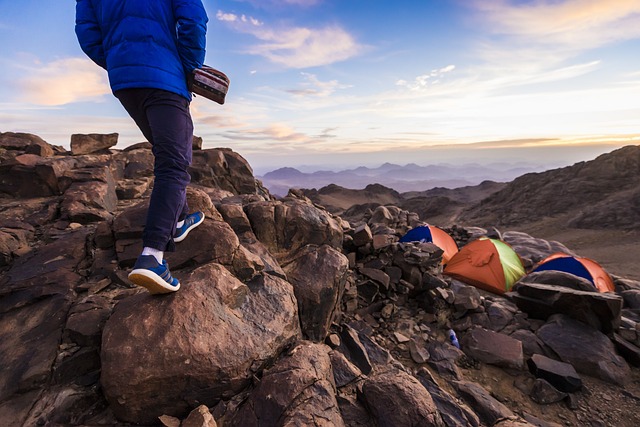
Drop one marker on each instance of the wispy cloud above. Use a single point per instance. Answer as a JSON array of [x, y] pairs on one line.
[[312, 86], [295, 47], [278, 132], [425, 80], [575, 24], [61, 82]]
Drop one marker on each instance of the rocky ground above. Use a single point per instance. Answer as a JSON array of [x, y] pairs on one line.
[[289, 315]]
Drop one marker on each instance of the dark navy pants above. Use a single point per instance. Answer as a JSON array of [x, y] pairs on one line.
[[165, 120]]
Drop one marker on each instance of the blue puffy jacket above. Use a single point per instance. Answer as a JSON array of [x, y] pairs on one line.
[[144, 43]]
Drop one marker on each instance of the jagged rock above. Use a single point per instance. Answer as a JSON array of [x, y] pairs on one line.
[[487, 407], [199, 417], [50, 268], [169, 421], [467, 298], [29, 175], [14, 239], [91, 197], [234, 215], [531, 344], [353, 412], [378, 356], [344, 372], [597, 356], [29, 143], [453, 412], [86, 320], [381, 215], [354, 350], [368, 291], [544, 393], [133, 188], [318, 276], [30, 331], [377, 276], [631, 298], [493, 348], [443, 358], [418, 352], [397, 399], [598, 309], [629, 351], [559, 374], [223, 169], [362, 235], [91, 143], [557, 278], [150, 367], [137, 162], [196, 143], [381, 241], [286, 227], [500, 313], [297, 391]]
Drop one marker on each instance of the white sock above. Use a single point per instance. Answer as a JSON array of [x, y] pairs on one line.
[[180, 224], [155, 252]]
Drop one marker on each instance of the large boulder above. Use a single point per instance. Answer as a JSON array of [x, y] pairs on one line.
[[298, 390], [318, 276], [167, 355], [30, 175], [598, 309], [285, 227], [493, 348], [91, 143], [486, 406], [395, 398], [224, 169], [30, 332], [587, 349]]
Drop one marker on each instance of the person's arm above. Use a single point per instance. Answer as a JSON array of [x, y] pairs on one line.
[[192, 31], [88, 32]]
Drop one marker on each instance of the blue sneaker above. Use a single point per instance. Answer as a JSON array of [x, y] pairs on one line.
[[153, 276], [190, 222]]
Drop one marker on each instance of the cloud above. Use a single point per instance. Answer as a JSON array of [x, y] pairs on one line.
[[295, 47], [240, 20], [425, 80], [570, 24], [312, 86], [278, 132], [62, 82]]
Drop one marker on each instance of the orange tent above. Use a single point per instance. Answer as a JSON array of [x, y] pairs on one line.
[[581, 267], [488, 264]]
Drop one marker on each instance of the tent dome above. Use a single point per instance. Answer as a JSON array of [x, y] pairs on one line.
[[581, 267], [488, 264]]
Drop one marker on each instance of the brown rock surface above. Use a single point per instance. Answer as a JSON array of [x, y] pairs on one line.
[[161, 355]]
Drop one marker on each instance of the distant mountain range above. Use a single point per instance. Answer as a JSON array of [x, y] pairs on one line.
[[410, 177], [603, 193]]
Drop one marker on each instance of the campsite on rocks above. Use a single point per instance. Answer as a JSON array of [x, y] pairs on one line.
[[299, 312]]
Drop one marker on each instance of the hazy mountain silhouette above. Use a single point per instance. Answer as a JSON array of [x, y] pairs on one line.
[[410, 177], [598, 194]]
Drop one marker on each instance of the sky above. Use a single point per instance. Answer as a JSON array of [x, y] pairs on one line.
[[329, 84]]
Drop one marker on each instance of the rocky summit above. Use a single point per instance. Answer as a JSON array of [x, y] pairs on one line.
[[289, 315]]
